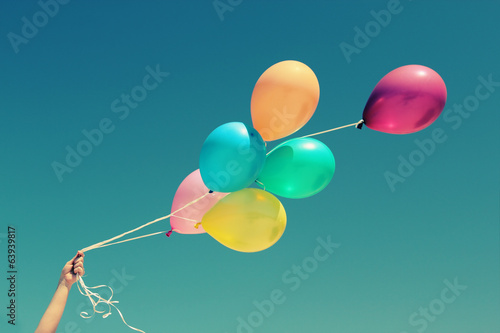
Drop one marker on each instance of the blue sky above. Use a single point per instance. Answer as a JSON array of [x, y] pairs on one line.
[[398, 248]]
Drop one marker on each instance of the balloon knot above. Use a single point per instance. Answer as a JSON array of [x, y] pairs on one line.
[[168, 233], [360, 123], [210, 191], [197, 225]]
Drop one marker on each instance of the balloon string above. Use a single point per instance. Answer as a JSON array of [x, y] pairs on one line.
[[260, 183], [105, 243], [98, 299], [185, 218], [131, 239], [358, 125], [100, 244]]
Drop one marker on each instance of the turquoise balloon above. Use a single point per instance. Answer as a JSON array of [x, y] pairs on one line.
[[297, 168], [232, 157]]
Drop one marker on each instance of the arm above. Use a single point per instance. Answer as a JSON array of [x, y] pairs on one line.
[[53, 314]]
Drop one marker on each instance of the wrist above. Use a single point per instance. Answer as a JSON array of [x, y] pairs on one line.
[[64, 284]]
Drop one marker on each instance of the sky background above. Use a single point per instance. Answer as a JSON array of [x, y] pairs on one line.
[[397, 247]]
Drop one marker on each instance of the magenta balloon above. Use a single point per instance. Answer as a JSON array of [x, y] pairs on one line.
[[406, 100], [191, 188]]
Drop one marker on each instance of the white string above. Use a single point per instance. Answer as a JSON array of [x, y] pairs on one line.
[[357, 125], [131, 239], [185, 218], [260, 183], [98, 245], [98, 300], [331, 130]]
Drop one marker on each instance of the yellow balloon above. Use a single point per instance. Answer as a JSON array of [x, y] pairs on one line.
[[248, 220]]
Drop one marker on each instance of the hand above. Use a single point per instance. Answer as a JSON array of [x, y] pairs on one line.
[[53, 314], [71, 269]]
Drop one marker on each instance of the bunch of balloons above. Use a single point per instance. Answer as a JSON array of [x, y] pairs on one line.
[[218, 197]]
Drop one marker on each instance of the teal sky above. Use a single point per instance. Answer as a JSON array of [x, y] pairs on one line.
[[400, 247]]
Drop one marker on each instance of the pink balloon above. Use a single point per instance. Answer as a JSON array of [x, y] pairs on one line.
[[406, 100], [191, 188]]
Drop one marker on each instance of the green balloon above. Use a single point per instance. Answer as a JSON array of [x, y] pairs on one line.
[[297, 168]]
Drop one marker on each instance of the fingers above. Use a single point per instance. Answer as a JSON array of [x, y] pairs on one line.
[[77, 255], [78, 266], [75, 265]]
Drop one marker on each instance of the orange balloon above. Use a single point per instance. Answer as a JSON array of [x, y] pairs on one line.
[[284, 99]]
